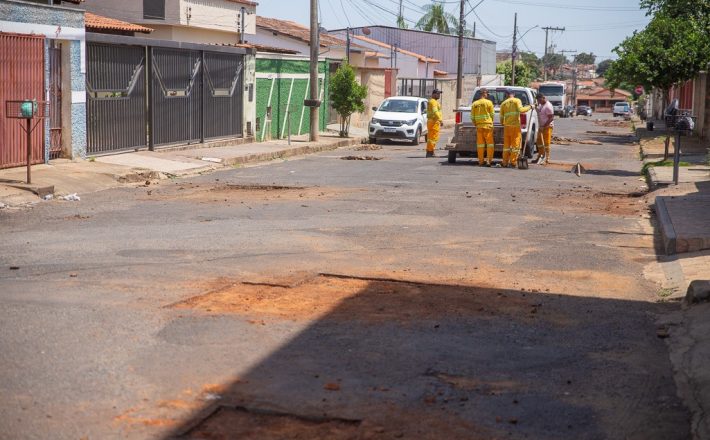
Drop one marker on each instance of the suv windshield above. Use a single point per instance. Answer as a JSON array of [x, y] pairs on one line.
[[399, 106], [498, 96]]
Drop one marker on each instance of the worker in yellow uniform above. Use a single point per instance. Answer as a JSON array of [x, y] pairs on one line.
[[434, 122], [510, 111], [482, 114]]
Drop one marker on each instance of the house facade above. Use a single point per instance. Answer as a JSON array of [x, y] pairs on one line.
[[193, 21], [43, 54]]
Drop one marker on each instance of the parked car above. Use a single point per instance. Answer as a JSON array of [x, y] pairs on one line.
[[399, 118], [464, 141], [584, 110], [622, 109]]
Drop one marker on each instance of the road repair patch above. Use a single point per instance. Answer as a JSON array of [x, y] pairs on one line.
[[621, 204], [374, 301], [231, 192]]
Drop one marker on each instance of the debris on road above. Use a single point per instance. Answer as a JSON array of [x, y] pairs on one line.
[[368, 147], [559, 140], [612, 123], [71, 198], [331, 386], [360, 158], [48, 197]]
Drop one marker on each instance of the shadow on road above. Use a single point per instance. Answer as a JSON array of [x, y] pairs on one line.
[[389, 359]]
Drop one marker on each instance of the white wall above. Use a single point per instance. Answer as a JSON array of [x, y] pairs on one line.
[[267, 38]]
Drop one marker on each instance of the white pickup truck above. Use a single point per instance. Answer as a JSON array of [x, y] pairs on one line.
[[464, 141]]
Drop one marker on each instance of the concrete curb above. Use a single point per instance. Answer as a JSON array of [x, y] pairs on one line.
[[668, 234], [289, 152]]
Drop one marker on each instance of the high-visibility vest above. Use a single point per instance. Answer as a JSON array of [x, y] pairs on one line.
[[482, 113], [433, 110], [510, 111]]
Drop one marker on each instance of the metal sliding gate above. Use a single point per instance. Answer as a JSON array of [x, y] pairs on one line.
[[116, 103], [194, 93]]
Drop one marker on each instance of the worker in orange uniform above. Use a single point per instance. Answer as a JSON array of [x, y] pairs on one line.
[[482, 114], [510, 111], [546, 114], [434, 122]]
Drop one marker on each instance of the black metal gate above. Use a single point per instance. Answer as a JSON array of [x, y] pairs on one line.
[[176, 96], [116, 104], [195, 92], [223, 94]]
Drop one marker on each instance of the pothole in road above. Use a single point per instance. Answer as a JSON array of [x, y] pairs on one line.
[[368, 300], [247, 424]]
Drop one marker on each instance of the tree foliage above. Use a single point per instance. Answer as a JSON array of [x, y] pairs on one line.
[[524, 74], [585, 58], [346, 96], [532, 62], [554, 61], [436, 19], [401, 23], [603, 66], [669, 50]]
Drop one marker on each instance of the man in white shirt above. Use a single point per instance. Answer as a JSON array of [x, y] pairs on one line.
[[546, 115]]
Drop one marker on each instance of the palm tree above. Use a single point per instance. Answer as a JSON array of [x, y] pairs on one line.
[[436, 19]]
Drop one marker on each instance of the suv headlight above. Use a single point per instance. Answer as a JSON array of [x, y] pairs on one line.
[[412, 122], [375, 121]]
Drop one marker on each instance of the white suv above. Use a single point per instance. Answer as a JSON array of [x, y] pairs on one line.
[[622, 109], [399, 118]]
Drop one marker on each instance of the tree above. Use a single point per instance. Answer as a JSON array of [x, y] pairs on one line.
[[603, 67], [346, 96], [533, 62], [554, 61], [436, 19], [669, 50], [585, 58], [401, 23], [523, 73]]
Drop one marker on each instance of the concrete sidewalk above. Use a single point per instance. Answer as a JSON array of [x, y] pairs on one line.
[[683, 210], [62, 177]]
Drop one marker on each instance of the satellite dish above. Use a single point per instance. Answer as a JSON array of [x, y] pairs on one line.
[[366, 31]]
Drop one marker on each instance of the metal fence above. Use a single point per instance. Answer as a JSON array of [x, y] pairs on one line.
[[194, 93]]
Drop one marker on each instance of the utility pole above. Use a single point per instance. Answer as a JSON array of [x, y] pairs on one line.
[[313, 101], [347, 45], [474, 29], [573, 94], [459, 72], [548, 29], [515, 48]]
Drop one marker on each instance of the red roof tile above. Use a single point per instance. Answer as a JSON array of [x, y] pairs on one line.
[[98, 22], [296, 30]]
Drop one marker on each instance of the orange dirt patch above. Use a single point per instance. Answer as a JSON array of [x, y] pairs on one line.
[[599, 203], [366, 300]]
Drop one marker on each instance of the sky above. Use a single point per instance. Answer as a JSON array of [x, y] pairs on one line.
[[590, 25]]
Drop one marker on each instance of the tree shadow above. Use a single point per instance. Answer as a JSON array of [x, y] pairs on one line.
[[388, 359]]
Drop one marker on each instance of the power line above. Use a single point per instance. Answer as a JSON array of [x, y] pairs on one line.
[[489, 29], [568, 6]]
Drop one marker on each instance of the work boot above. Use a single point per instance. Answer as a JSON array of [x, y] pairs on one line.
[[489, 164], [429, 154]]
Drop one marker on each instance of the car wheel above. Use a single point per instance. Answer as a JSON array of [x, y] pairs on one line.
[[531, 145], [417, 135], [452, 156]]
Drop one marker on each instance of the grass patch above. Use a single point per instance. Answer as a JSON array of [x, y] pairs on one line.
[[661, 163], [665, 292]]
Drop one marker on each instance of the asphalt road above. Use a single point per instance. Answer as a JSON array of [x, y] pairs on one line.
[[326, 298]]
